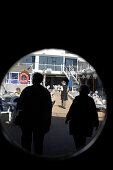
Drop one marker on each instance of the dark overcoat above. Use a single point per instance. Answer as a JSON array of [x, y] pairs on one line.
[[64, 93], [82, 116], [36, 105]]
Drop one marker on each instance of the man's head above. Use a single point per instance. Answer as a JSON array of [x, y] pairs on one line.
[[37, 78], [96, 92], [63, 82], [18, 90], [84, 89]]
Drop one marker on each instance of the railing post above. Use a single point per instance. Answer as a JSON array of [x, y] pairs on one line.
[[62, 67]]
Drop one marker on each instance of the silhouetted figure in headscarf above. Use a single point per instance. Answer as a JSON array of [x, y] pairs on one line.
[[82, 117], [34, 117]]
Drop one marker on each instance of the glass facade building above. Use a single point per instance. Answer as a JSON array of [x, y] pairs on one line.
[[30, 59], [55, 69], [53, 63], [40, 63], [71, 62]]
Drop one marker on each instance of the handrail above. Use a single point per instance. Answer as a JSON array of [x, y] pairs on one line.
[[52, 66], [70, 71]]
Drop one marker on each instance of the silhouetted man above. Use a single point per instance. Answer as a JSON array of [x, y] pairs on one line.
[[82, 117], [34, 117]]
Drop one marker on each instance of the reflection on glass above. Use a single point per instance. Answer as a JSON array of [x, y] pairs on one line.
[[50, 60], [69, 61], [59, 73]]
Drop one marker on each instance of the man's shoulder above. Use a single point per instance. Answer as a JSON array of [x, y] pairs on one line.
[[43, 89], [90, 98], [76, 98], [38, 88], [46, 90], [79, 97], [27, 88]]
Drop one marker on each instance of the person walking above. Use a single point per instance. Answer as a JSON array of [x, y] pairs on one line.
[[35, 109], [64, 96], [82, 117]]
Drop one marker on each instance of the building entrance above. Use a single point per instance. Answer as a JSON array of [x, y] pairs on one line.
[[54, 80]]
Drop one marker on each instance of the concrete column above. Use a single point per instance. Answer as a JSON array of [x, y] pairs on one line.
[[44, 80], [36, 63], [63, 63], [77, 65]]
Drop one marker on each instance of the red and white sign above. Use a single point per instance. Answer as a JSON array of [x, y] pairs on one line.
[[23, 78]]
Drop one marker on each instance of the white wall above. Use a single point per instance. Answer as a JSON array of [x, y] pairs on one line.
[[36, 63]]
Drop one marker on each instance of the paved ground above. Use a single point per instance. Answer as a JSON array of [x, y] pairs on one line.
[[57, 140], [57, 109], [60, 112]]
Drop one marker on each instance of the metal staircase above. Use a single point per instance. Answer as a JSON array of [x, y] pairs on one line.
[[71, 72]]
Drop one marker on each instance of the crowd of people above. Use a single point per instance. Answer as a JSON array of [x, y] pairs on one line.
[[55, 87], [36, 99], [64, 89], [99, 99]]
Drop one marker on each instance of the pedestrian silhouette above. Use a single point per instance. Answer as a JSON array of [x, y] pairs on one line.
[[35, 108], [64, 96], [82, 117]]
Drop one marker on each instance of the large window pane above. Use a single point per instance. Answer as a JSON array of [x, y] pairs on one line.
[[57, 68], [69, 61], [14, 82], [33, 59], [59, 60], [27, 60], [50, 66], [42, 67], [50, 60], [14, 75], [42, 60]]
